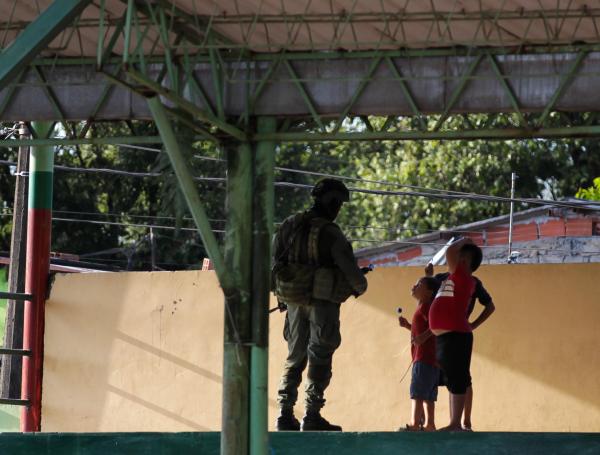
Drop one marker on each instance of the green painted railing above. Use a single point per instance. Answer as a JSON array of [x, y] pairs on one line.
[[304, 443]]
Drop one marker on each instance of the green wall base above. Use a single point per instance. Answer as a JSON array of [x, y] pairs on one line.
[[303, 443]]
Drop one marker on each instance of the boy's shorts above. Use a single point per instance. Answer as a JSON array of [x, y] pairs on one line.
[[454, 356], [424, 381]]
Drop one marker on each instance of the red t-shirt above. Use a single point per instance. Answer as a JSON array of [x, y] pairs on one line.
[[449, 308], [426, 351]]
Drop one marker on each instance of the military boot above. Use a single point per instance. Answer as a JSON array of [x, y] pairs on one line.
[[313, 421], [287, 422]]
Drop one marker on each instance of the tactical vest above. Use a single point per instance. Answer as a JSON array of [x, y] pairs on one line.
[[301, 277]]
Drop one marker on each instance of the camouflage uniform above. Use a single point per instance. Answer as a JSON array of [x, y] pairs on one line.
[[312, 331]]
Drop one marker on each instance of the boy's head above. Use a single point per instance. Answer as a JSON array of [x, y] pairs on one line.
[[425, 289], [471, 256]]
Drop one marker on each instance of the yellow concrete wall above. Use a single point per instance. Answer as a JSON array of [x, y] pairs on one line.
[[142, 352]]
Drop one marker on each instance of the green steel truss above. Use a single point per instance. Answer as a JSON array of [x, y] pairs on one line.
[[216, 86], [156, 60]]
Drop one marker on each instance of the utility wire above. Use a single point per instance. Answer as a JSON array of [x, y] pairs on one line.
[[429, 193], [423, 191], [138, 225]]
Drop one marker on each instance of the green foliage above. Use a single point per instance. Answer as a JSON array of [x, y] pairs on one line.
[[546, 168], [592, 193], [120, 199], [549, 168]]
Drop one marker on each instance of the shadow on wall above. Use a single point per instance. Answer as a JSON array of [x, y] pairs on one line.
[[205, 373], [545, 327], [134, 352], [134, 399]]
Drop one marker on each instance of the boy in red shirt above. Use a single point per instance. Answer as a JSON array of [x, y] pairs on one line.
[[448, 322], [425, 373]]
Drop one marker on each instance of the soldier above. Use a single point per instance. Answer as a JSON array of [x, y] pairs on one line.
[[314, 272]]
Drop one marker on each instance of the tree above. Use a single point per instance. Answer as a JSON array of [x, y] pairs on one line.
[[592, 193], [549, 168]]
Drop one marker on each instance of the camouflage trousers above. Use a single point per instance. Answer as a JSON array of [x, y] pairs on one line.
[[312, 333]]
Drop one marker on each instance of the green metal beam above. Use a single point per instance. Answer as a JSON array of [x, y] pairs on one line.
[[465, 78], [564, 83], [81, 141], [492, 133], [187, 105], [507, 88], [407, 94], [37, 36], [497, 133], [189, 190], [361, 86], [305, 95], [322, 55]]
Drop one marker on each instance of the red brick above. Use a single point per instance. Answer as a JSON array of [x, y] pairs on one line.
[[411, 253], [525, 232], [364, 262], [579, 227], [385, 260], [477, 237], [497, 236], [552, 228]]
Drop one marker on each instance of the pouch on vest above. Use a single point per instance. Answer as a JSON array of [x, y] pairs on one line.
[[330, 284], [294, 283]]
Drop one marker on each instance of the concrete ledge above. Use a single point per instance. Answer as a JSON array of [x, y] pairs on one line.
[[304, 443]]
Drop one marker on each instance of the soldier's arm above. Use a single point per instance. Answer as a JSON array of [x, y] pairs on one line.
[[343, 256]]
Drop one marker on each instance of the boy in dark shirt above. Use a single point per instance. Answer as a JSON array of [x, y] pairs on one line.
[[425, 373], [448, 322]]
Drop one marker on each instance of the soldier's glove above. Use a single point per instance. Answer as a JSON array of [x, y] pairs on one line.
[[367, 269], [282, 306]]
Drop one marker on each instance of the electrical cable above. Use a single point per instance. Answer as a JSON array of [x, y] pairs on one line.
[[114, 223], [447, 195]]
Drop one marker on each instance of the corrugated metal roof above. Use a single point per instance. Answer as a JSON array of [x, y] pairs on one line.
[[271, 25]]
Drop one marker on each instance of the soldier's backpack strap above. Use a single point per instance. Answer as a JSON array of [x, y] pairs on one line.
[[288, 251], [316, 225]]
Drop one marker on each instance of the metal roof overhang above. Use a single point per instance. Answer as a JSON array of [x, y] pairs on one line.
[[306, 58]]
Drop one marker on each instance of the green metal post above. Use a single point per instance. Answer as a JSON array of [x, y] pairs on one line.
[[237, 333], [264, 166], [128, 25], [188, 187]]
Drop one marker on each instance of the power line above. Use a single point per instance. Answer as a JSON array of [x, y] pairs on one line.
[[436, 194], [115, 223], [127, 215], [138, 225], [423, 191]]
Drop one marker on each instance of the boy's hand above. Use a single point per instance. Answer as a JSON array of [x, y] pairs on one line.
[[429, 269], [404, 322]]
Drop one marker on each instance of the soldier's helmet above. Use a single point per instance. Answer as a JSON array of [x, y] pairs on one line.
[[329, 185]]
